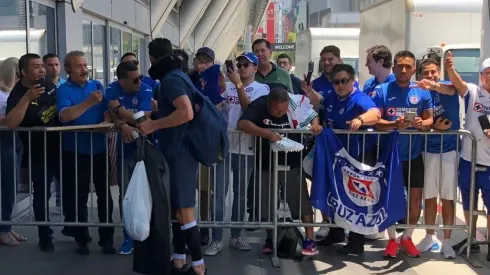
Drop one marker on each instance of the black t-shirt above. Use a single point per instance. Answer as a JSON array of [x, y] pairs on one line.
[[40, 113], [258, 113]]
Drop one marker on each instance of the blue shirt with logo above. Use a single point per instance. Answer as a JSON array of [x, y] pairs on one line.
[[339, 111], [133, 102], [150, 82], [373, 82], [70, 94], [395, 101], [445, 106], [60, 81]]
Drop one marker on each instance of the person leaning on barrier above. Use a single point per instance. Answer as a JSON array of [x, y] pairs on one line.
[[240, 92], [175, 110], [349, 109], [403, 106], [81, 101], [440, 182], [271, 112], [476, 121], [9, 75], [31, 105], [127, 96]]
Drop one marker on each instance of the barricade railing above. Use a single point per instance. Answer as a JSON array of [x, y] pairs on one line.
[[243, 171]]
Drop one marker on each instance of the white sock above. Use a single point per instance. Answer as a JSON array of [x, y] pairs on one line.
[[391, 233], [407, 233]]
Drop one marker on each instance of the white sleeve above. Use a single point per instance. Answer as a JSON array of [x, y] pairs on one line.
[[472, 90]]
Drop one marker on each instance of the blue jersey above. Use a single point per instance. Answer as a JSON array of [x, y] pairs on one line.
[[372, 83], [338, 112], [133, 102], [445, 106], [395, 101], [323, 85], [359, 198], [150, 82]]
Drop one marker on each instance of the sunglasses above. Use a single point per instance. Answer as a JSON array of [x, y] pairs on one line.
[[244, 65], [137, 79], [340, 81], [136, 62]]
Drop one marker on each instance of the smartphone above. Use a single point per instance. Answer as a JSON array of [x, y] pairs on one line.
[[410, 116], [41, 82], [311, 66], [229, 65], [484, 122]]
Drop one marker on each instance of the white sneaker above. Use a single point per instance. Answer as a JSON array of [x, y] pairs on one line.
[[447, 250], [429, 243], [286, 145], [240, 244], [214, 248], [322, 232]]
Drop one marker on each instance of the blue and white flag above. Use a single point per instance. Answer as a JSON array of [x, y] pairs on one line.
[[357, 197]]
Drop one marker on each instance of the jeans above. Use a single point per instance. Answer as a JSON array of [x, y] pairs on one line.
[[242, 166], [9, 179]]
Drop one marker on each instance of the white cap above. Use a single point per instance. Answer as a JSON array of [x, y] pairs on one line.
[[485, 65]]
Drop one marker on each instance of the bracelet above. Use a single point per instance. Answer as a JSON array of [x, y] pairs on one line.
[[360, 119]]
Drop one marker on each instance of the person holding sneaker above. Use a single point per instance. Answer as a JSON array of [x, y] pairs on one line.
[[349, 109], [240, 92], [127, 96], [277, 111]]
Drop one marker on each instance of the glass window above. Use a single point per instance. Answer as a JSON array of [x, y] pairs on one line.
[[12, 29], [42, 32], [99, 46], [467, 64], [115, 51], [87, 45], [126, 42], [136, 48]]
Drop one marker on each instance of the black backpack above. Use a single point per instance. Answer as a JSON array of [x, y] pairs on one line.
[[289, 242]]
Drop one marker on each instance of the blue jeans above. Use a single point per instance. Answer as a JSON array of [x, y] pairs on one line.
[[9, 178], [241, 175]]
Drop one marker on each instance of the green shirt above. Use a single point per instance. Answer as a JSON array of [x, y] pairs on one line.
[[276, 77]]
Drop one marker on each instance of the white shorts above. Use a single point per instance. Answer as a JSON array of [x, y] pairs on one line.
[[446, 187]]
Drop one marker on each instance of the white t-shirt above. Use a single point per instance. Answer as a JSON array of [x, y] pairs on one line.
[[234, 110], [478, 105], [3, 102]]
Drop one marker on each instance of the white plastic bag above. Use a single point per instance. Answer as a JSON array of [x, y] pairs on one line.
[[137, 205], [308, 161]]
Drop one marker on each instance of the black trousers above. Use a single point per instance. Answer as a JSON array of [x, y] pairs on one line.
[[42, 172], [76, 188]]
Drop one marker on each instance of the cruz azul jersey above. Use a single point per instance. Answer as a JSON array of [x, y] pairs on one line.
[[395, 101], [478, 105], [356, 196]]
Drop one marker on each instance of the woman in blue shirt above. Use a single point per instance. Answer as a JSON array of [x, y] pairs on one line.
[[348, 108]]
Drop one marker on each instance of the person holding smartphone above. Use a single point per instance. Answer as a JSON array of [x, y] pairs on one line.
[[395, 100], [32, 103]]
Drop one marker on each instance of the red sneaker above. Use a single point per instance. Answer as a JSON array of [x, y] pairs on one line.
[[391, 250], [410, 248]]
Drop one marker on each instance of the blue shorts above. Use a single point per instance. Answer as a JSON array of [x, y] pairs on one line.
[[482, 183], [183, 177]]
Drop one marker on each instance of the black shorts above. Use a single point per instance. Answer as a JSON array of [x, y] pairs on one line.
[[416, 172]]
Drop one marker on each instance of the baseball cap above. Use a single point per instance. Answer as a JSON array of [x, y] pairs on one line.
[[250, 57], [207, 51], [485, 65]]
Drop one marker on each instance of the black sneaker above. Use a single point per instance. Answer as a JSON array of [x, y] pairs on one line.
[[186, 269], [334, 236], [474, 247], [82, 247], [46, 245], [108, 249], [351, 249]]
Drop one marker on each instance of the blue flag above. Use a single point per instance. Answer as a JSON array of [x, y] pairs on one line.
[[210, 83], [357, 197]]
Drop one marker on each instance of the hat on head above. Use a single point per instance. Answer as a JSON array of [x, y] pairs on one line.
[[485, 65], [250, 57], [207, 51]]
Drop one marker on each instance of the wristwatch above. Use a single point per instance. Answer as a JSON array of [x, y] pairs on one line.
[[239, 85], [360, 119]]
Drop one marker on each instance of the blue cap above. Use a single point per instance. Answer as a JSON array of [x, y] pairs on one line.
[[250, 57], [207, 51]]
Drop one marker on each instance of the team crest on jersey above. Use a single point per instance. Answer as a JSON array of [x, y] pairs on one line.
[[203, 83], [478, 107], [391, 111], [341, 111], [414, 99], [135, 101], [249, 89]]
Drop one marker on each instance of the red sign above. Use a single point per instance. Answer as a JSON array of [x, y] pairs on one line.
[[271, 27], [261, 29], [285, 27]]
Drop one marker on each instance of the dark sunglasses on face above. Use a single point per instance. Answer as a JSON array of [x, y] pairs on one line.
[[244, 65], [136, 62], [340, 81], [137, 79]]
